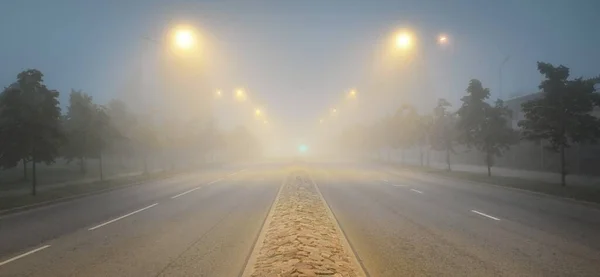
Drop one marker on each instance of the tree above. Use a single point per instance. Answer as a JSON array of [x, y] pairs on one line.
[[79, 126], [124, 122], [107, 135], [562, 115], [385, 134], [29, 123], [424, 124], [443, 136], [146, 139], [89, 130], [483, 126], [406, 134]]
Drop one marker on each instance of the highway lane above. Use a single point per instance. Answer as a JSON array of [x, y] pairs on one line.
[[570, 220], [408, 225], [185, 231], [32, 227]]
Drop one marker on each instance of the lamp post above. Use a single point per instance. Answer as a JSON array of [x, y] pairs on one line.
[[500, 76]]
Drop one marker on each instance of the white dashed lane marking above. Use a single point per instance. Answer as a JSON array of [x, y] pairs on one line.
[[24, 254], [486, 215], [121, 217]]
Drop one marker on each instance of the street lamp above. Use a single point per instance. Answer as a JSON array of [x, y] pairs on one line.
[[184, 38], [257, 112], [240, 95], [500, 76], [352, 94], [218, 93], [180, 39], [404, 40], [443, 39]]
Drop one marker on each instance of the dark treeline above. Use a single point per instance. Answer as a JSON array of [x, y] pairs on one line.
[[34, 130], [562, 116]]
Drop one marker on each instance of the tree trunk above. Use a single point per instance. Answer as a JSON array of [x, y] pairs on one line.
[[145, 164], [24, 170], [34, 174], [488, 162], [421, 156], [563, 171], [448, 159], [82, 168], [100, 165], [427, 156], [402, 155], [542, 166]]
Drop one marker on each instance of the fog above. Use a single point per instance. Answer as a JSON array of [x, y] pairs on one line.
[[307, 80]]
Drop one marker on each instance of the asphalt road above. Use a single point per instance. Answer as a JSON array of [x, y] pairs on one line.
[[407, 224], [398, 223], [203, 224]]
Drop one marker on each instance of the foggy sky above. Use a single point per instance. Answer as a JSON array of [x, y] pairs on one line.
[[298, 57]]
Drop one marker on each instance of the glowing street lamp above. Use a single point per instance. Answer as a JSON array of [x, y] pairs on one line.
[[257, 112], [184, 38], [443, 39], [352, 94], [240, 95], [218, 93], [404, 41]]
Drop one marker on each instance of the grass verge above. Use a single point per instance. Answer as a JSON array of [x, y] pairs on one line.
[[9, 203], [582, 193]]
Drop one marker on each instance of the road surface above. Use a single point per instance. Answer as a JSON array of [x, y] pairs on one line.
[[193, 225], [406, 224], [398, 223]]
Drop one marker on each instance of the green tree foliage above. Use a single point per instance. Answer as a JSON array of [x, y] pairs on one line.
[[443, 134], [29, 123], [562, 115], [485, 127], [89, 130]]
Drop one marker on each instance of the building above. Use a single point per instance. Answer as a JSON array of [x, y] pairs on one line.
[[581, 158]]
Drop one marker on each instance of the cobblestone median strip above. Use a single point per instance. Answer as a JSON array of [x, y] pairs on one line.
[[301, 237]]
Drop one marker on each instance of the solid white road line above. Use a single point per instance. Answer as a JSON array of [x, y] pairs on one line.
[[384, 180], [24, 254], [486, 215], [121, 217], [417, 191], [399, 186], [220, 179]]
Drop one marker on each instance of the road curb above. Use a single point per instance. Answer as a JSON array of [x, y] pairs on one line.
[[590, 204], [258, 243], [344, 238]]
